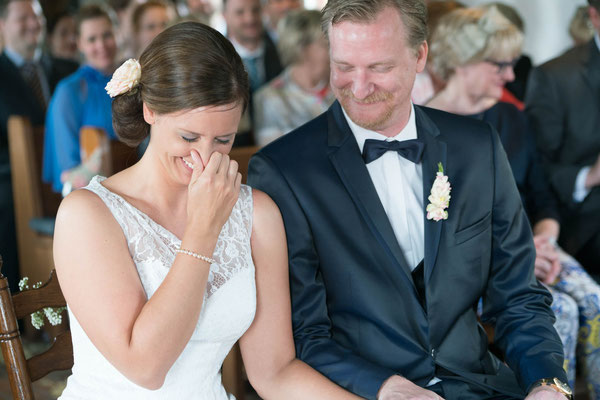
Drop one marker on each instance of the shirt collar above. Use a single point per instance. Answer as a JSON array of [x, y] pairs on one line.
[[361, 134], [18, 59], [245, 53], [597, 40]]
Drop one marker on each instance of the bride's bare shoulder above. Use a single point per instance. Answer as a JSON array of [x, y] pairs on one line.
[[265, 209], [83, 213]]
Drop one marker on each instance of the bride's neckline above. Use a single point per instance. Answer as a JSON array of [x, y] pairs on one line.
[[99, 179]]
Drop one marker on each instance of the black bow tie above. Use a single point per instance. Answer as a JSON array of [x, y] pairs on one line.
[[412, 149]]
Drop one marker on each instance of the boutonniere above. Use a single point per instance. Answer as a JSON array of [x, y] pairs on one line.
[[439, 198]]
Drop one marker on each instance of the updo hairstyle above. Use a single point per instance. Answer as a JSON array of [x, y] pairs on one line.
[[471, 35], [187, 66]]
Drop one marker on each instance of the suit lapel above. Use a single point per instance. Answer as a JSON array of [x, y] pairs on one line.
[[347, 160], [435, 152]]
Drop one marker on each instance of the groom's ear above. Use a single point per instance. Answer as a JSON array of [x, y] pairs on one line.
[[422, 52], [149, 115]]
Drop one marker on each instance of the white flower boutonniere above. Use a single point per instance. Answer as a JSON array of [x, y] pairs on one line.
[[439, 199]]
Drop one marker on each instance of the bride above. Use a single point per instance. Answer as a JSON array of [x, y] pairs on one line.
[[167, 264]]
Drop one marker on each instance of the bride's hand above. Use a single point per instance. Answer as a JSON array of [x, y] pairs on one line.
[[212, 192]]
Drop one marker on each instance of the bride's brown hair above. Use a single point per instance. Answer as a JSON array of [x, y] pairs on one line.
[[187, 66]]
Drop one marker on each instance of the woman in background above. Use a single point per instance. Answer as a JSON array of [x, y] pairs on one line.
[[148, 20], [61, 35], [427, 84], [301, 92], [474, 51], [81, 101]]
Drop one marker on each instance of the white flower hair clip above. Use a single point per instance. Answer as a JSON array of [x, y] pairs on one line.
[[125, 78]]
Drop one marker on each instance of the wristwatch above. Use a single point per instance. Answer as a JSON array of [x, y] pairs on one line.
[[555, 384]]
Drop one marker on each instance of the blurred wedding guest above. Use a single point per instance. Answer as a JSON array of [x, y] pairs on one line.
[[62, 36], [148, 20], [200, 10], [274, 11], [81, 101], [426, 83], [27, 78], [515, 90], [563, 104], [123, 28], [472, 50], [246, 33], [581, 28], [301, 92], [258, 52]]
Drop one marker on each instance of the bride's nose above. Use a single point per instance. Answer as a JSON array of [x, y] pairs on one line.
[[205, 151]]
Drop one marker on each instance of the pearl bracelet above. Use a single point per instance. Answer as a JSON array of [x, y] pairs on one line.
[[196, 255]]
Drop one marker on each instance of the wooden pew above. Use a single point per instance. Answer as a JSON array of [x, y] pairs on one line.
[[32, 199]]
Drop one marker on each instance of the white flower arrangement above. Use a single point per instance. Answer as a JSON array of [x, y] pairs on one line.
[[125, 78], [439, 198], [54, 315]]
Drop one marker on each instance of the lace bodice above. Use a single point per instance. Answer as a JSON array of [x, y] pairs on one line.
[[227, 312]]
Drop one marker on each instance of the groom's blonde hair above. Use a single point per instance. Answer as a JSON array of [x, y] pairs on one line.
[[412, 12]]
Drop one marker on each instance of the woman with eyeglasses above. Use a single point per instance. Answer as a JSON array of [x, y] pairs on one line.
[[474, 50]]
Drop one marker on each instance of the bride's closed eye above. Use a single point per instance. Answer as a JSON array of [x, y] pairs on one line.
[[223, 141]]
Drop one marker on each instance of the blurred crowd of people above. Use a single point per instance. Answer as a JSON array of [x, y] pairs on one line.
[[54, 71]]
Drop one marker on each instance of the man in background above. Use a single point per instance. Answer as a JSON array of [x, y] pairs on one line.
[[27, 79], [246, 32], [274, 11], [563, 102]]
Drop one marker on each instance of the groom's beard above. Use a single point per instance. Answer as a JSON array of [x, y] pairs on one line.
[[349, 102]]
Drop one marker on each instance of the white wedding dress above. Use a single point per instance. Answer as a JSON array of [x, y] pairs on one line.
[[227, 312]]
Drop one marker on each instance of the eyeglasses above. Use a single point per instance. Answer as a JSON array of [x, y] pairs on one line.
[[503, 65]]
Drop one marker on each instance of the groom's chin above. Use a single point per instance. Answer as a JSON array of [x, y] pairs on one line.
[[373, 121]]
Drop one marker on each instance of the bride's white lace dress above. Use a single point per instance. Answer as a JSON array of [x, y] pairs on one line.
[[227, 312]]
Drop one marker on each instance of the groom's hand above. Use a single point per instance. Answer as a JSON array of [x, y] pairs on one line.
[[399, 388], [545, 393]]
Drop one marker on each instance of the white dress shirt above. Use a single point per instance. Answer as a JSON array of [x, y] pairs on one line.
[[399, 186]]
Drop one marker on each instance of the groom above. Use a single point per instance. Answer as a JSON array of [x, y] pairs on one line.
[[384, 293]]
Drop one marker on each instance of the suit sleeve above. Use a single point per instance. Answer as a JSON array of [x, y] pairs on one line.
[[548, 120], [514, 299], [312, 326]]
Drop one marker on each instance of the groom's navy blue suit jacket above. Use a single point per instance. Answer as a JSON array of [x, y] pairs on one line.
[[356, 313]]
